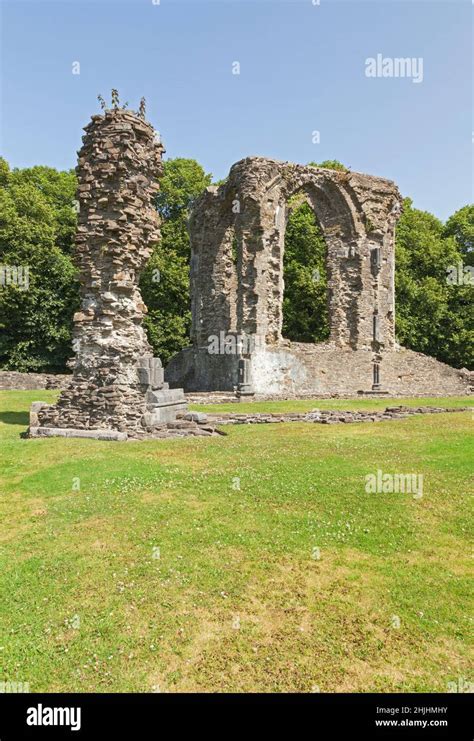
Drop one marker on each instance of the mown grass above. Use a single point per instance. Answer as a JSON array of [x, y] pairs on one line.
[[306, 405], [236, 600]]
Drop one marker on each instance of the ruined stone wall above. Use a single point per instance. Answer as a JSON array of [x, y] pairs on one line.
[[357, 214], [298, 368], [116, 384], [237, 240], [10, 380]]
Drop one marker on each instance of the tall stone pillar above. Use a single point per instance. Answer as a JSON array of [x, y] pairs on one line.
[[117, 384]]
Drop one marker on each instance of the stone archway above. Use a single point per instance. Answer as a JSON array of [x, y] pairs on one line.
[[237, 235], [357, 215], [338, 224]]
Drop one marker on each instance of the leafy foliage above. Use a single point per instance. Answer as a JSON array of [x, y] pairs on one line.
[[37, 223], [433, 316], [165, 280], [330, 165], [461, 226]]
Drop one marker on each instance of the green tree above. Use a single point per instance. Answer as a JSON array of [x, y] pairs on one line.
[[165, 281], [36, 227], [461, 226], [432, 316]]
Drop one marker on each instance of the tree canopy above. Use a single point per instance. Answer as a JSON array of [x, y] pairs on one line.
[[37, 223], [432, 315]]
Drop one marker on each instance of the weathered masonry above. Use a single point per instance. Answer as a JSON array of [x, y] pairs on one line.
[[238, 239], [117, 388]]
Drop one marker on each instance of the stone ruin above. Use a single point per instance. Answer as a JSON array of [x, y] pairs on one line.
[[237, 231], [237, 235], [117, 388]]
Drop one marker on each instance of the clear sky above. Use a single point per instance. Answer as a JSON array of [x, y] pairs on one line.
[[302, 69]]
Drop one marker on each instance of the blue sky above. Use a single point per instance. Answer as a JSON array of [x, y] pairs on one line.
[[302, 69]]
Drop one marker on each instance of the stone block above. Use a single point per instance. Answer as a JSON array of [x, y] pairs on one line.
[[198, 417], [98, 434], [35, 407]]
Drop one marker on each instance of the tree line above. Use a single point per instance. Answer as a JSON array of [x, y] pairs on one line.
[[433, 283]]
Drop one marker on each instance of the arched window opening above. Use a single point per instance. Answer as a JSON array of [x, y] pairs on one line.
[[305, 299]]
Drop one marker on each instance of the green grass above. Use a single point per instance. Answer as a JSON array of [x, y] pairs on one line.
[[306, 405], [236, 601]]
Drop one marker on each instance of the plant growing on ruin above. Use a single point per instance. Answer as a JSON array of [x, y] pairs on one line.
[[330, 165], [115, 99]]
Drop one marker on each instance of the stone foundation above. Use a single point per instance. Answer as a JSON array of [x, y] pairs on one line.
[[328, 417], [179, 424]]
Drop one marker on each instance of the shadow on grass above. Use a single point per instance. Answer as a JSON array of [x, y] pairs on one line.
[[15, 418]]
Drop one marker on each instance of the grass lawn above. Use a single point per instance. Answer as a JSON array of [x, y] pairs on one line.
[[192, 564], [306, 405]]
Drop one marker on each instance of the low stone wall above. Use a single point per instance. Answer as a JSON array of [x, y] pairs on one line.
[[297, 369], [326, 416], [324, 369], [12, 380], [194, 424]]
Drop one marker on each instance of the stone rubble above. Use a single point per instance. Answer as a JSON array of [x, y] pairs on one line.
[[324, 416]]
